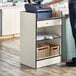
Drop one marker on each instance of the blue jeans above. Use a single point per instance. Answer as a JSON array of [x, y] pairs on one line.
[[72, 14]]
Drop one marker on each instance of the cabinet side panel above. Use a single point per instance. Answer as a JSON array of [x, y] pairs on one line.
[[28, 34], [0, 22]]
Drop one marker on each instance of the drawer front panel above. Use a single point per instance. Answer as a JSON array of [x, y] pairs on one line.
[[47, 62], [46, 23]]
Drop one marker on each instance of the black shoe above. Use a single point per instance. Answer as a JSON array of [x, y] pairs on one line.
[[70, 63], [74, 59]]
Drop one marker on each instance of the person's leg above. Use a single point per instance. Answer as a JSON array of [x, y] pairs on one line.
[[72, 15]]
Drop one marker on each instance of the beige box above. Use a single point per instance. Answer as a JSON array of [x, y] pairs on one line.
[[42, 50], [54, 50]]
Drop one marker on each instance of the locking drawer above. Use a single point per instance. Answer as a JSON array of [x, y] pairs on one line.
[[46, 23]]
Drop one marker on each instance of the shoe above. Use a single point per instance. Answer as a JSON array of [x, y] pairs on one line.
[[70, 64], [74, 59]]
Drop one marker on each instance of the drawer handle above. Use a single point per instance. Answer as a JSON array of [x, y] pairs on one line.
[[59, 20], [46, 22]]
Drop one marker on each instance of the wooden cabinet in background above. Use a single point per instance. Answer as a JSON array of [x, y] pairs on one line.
[[17, 24], [7, 21], [10, 20]]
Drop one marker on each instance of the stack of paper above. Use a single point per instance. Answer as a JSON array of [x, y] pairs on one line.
[[42, 36]]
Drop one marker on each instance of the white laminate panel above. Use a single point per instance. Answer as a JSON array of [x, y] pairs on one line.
[[49, 61], [0, 22], [17, 24], [46, 23], [8, 21], [28, 43]]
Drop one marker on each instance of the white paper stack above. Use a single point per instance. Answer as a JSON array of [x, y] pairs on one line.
[[43, 35], [51, 36]]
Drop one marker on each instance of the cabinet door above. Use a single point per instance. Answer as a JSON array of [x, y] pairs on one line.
[[17, 27], [8, 21]]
